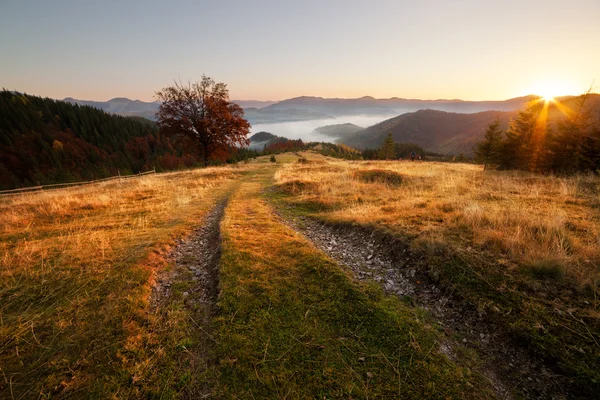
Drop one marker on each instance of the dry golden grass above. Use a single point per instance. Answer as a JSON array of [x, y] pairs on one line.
[[76, 273], [523, 249], [527, 218]]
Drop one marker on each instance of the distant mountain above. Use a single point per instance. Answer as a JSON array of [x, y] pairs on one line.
[[254, 110], [338, 130], [119, 105], [265, 116], [437, 131], [253, 103], [315, 108], [446, 132], [370, 106]]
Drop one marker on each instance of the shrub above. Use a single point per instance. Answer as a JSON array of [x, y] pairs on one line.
[[272, 159], [547, 269], [386, 177]]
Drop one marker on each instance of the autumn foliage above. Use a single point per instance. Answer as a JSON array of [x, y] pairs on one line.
[[200, 116]]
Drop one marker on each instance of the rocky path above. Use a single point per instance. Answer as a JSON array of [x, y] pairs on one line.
[[196, 258], [373, 256], [195, 271]]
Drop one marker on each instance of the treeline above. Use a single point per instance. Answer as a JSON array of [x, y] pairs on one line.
[[44, 141], [538, 143], [282, 145], [390, 150]]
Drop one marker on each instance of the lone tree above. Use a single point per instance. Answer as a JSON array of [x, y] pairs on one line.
[[387, 151], [200, 115]]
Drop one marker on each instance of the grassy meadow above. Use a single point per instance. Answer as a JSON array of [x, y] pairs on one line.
[[77, 267], [292, 324], [522, 248]]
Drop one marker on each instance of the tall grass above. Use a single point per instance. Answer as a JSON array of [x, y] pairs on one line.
[[523, 249], [76, 267], [523, 216]]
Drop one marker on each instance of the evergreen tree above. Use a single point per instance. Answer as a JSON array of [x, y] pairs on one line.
[[488, 149], [387, 151], [568, 148], [524, 147]]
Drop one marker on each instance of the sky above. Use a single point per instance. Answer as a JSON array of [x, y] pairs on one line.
[[273, 50]]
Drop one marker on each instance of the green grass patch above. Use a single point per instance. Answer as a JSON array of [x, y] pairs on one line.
[[292, 324]]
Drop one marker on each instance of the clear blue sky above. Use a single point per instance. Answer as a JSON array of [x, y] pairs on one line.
[[279, 49]]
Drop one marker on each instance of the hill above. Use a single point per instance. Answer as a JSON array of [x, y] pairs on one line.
[[43, 141], [262, 137], [454, 133], [338, 130], [433, 130]]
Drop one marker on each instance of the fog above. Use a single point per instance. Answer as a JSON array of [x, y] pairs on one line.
[[305, 129]]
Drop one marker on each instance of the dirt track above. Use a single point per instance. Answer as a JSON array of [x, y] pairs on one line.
[[370, 255], [195, 259]]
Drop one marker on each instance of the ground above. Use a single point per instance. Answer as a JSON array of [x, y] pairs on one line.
[[309, 277]]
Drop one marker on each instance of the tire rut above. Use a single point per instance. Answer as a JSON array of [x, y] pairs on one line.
[[371, 255], [195, 264]]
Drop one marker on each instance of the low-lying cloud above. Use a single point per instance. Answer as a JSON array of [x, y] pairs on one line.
[[305, 129]]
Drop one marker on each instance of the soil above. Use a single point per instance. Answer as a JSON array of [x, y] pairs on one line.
[[195, 260], [371, 255]]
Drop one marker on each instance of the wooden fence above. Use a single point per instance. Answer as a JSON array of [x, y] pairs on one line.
[[66, 185]]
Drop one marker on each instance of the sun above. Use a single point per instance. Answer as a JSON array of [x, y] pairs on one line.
[[551, 89]]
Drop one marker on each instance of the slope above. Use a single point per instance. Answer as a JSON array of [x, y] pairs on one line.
[[433, 130]]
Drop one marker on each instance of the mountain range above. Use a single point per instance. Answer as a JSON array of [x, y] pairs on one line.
[[443, 126], [371, 106], [313, 108]]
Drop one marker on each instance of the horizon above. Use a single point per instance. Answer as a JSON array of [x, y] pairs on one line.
[[315, 97], [270, 51]]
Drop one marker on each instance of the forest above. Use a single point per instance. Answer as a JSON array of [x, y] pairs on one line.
[[567, 142], [43, 141]]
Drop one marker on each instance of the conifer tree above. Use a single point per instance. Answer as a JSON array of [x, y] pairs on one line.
[[488, 149], [387, 151]]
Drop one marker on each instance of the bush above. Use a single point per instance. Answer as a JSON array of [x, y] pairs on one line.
[[386, 177], [272, 159]]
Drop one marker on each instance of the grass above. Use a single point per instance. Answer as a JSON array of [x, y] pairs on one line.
[[525, 247], [291, 324], [76, 269]]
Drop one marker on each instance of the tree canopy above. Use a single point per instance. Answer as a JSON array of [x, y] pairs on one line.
[[200, 116]]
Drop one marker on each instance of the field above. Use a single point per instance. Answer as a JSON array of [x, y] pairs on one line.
[[514, 254]]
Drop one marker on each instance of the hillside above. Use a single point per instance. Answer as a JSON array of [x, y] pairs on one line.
[[259, 140], [338, 130], [44, 141], [437, 131], [262, 137], [437, 279], [453, 133]]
